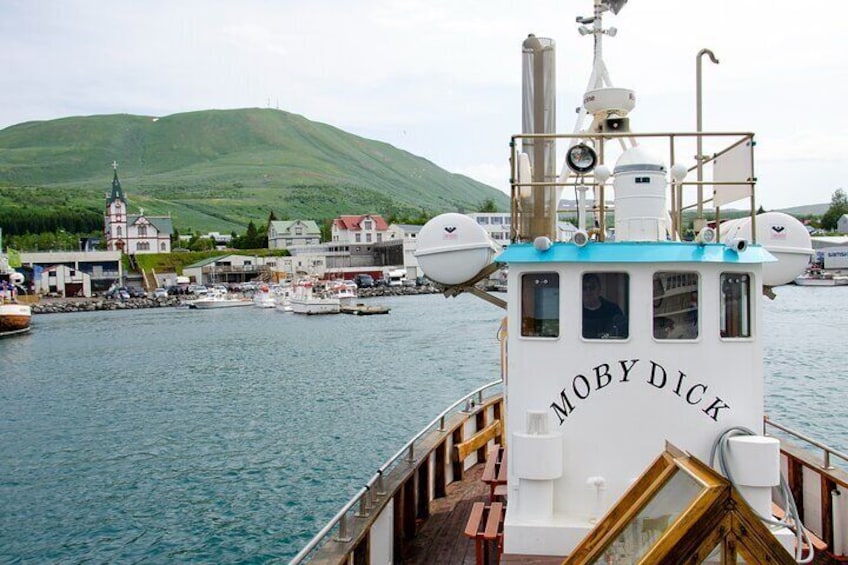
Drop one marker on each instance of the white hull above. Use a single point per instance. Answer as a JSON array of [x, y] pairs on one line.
[[315, 305], [264, 301], [14, 318], [827, 280], [207, 303]]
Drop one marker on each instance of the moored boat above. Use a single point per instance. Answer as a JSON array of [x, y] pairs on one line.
[[15, 315], [15, 318], [819, 277], [630, 427], [264, 298], [218, 298], [305, 299]]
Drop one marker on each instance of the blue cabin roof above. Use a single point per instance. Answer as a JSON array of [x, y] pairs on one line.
[[635, 252]]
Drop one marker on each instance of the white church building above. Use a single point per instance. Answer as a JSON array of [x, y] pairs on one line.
[[134, 234]]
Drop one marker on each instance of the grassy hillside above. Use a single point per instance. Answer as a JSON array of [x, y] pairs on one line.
[[220, 169]]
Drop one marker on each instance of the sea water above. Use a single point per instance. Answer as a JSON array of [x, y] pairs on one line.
[[233, 435]]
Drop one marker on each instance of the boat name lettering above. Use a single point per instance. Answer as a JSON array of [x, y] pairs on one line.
[[601, 376]]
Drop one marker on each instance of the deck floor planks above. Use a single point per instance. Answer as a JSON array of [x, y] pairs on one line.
[[441, 539]]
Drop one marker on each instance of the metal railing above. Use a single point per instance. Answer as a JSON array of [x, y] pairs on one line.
[[674, 146], [828, 451], [364, 497]]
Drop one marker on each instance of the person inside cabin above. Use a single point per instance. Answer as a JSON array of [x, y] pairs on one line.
[[663, 327], [602, 318]]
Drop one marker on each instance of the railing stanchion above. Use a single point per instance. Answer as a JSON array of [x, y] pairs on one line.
[[343, 536], [378, 485]]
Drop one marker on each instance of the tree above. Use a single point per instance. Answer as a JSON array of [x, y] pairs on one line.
[[488, 206], [838, 207]]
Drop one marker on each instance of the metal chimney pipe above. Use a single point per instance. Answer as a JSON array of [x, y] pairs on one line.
[[538, 205]]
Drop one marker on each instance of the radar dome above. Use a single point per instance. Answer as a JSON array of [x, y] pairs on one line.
[[452, 248], [781, 235]]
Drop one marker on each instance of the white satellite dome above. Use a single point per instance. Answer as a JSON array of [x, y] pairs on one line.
[[452, 248], [780, 234]]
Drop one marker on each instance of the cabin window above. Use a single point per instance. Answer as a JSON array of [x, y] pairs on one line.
[[540, 305], [605, 305], [735, 316], [675, 305]]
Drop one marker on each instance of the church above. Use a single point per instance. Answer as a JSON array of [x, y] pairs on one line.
[[134, 234]]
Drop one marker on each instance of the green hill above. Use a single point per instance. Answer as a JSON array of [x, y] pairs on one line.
[[220, 169]]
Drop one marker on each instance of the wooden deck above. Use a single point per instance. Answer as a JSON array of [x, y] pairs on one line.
[[441, 540]]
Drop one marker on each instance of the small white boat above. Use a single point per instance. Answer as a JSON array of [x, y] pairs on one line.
[[816, 277], [306, 300], [217, 298], [264, 298], [345, 291]]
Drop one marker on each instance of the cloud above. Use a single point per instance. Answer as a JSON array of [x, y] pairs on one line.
[[439, 79]]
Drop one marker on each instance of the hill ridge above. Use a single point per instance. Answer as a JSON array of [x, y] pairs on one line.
[[220, 169]]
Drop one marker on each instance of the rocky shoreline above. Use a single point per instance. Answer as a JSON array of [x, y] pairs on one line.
[[69, 305]]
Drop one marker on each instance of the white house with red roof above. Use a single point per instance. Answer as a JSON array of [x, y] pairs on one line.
[[367, 228]]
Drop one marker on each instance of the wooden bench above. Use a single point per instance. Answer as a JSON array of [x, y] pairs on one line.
[[494, 473], [485, 526]]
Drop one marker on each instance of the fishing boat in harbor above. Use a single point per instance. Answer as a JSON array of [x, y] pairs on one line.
[[627, 425], [821, 277], [15, 315], [264, 298], [309, 300], [219, 298]]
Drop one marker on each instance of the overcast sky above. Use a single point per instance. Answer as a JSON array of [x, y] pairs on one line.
[[442, 79]]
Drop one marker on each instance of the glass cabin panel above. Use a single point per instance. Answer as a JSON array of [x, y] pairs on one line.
[[540, 305], [653, 520], [735, 315], [605, 305], [676, 303]]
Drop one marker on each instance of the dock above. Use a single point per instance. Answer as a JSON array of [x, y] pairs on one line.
[[363, 309]]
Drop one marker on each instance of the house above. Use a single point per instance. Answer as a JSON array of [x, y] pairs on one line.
[[284, 234], [229, 269], [103, 268], [64, 281], [367, 228], [496, 224], [842, 224], [133, 234], [408, 234]]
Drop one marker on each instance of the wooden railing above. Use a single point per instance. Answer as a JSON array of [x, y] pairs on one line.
[[405, 481], [809, 469]]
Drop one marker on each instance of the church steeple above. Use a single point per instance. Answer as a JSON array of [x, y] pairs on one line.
[[117, 192]]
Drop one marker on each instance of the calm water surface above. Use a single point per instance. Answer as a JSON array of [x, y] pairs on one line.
[[233, 436]]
